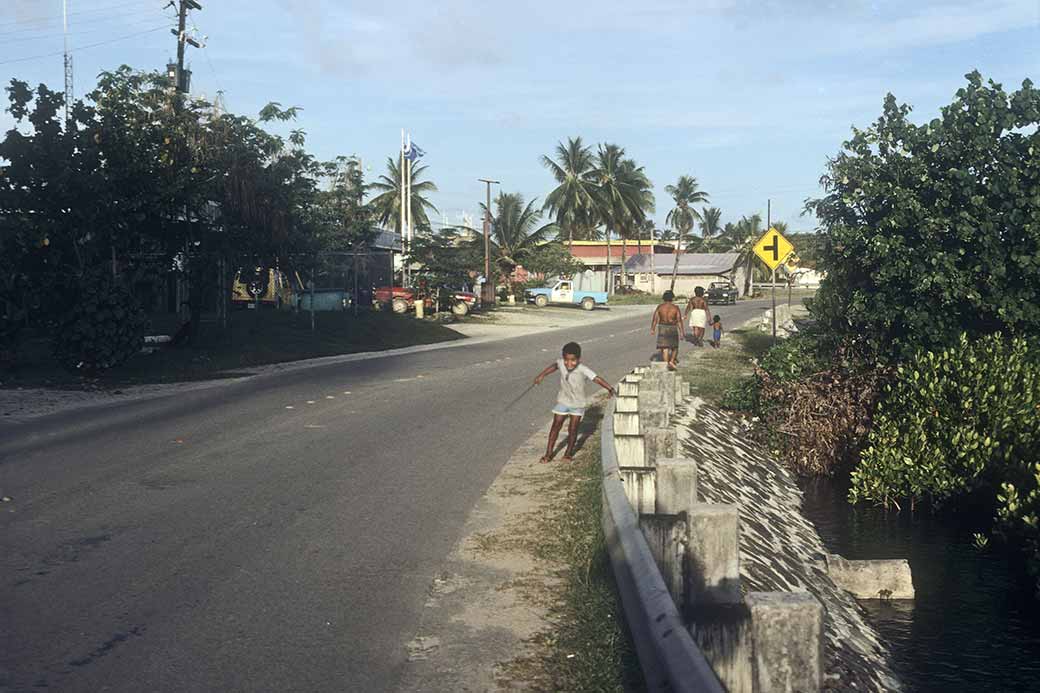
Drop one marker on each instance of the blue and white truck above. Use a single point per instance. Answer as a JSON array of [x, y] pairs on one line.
[[564, 292]]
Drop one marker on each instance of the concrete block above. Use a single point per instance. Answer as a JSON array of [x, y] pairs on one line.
[[676, 488], [630, 450], [626, 405], [626, 424], [786, 641], [641, 488], [714, 541], [652, 416], [666, 536], [872, 579], [680, 389], [723, 634], [628, 389], [660, 442], [657, 389]]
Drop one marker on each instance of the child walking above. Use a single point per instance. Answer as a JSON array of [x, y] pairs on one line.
[[716, 331], [570, 402]]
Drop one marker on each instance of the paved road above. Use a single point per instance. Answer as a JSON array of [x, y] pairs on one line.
[[276, 534]]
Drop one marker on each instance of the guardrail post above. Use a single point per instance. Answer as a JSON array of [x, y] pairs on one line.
[[666, 537], [787, 641], [714, 542], [680, 389], [676, 489], [626, 423], [626, 404], [660, 443], [631, 450], [640, 488]]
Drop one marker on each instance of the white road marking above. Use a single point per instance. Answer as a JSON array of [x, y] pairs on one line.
[[289, 406], [346, 392], [330, 397], [310, 401], [312, 426]]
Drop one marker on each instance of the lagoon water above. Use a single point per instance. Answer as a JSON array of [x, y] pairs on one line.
[[975, 625]]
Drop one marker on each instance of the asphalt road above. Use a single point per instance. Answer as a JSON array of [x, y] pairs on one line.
[[277, 534]]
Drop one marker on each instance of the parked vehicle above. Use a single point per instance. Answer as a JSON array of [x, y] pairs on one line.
[[722, 292], [262, 286], [562, 292], [402, 300]]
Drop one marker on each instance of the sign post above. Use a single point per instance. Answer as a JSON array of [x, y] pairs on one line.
[[773, 249]]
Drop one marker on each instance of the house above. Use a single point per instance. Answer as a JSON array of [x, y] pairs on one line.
[[695, 269], [808, 278], [593, 254]]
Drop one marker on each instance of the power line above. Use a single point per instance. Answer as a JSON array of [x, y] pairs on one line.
[[94, 20], [89, 45], [129, 25], [58, 18]]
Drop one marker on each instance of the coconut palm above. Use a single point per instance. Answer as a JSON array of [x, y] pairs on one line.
[[641, 205], [387, 204], [572, 202], [515, 232], [683, 216], [621, 196], [741, 238]]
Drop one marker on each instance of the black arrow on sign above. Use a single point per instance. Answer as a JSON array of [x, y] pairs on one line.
[[775, 248]]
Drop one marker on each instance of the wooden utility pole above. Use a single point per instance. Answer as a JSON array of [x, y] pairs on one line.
[[769, 225], [487, 294]]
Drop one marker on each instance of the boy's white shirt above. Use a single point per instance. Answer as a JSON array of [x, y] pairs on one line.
[[572, 384]]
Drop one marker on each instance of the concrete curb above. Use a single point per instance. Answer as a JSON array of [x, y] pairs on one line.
[[670, 659]]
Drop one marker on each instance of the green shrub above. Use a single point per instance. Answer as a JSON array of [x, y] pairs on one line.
[[744, 396], [795, 357], [931, 229], [103, 328], [960, 421]]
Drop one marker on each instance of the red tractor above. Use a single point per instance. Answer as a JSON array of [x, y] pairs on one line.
[[402, 300]]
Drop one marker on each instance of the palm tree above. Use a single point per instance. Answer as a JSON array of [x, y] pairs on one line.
[[387, 204], [641, 204], [515, 232], [623, 193], [741, 238], [780, 226], [711, 225], [683, 216], [572, 202]]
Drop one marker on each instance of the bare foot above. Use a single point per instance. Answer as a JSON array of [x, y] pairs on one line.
[[545, 459], [568, 458]]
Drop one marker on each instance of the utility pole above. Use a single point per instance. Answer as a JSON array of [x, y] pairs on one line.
[[487, 294], [182, 78], [769, 225], [68, 63], [404, 221]]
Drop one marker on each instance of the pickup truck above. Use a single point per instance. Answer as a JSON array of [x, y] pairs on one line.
[[563, 292], [722, 292]]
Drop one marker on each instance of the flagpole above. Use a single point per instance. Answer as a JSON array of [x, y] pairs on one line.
[[408, 198], [402, 190]]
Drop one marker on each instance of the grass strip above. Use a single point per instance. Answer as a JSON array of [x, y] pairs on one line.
[[589, 647]]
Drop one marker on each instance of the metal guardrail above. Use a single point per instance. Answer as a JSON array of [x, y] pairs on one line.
[[670, 659]]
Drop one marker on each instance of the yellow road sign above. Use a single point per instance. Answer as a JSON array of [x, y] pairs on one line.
[[773, 249]]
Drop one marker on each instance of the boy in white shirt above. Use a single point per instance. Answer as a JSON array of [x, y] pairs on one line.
[[570, 402]]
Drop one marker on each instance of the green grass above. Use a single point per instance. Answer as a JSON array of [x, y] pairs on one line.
[[588, 648], [254, 338], [716, 371]]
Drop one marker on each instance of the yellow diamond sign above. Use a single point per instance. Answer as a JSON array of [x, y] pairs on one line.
[[773, 248]]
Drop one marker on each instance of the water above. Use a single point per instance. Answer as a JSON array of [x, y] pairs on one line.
[[974, 626]]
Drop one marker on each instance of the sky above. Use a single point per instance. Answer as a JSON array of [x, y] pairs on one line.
[[749, 97]]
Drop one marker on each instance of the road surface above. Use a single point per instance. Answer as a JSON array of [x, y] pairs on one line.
[[276, 534]]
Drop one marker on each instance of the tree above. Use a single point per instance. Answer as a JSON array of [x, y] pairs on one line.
[[685, 193], [620, 195], [572, 202], [515, 232], [387, 204], [740, 238], [640, 205], [933, 230]]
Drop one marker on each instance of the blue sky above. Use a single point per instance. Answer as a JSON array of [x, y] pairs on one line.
[[749, 97]]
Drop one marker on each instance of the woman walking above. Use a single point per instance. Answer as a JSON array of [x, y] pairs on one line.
[[668, 324], [697, 314]]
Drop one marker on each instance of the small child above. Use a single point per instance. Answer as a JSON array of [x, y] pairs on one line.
[[570, 402], [716, 331]]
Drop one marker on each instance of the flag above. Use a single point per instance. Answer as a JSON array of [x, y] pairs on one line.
[[413, 152]]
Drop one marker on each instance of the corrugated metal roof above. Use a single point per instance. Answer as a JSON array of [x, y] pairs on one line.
[[689, 263]]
